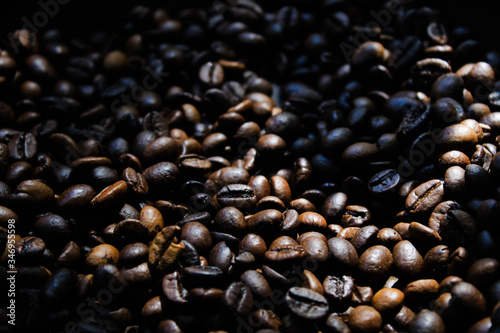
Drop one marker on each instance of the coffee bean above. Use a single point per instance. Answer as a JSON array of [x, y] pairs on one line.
[[22, 146], [447, 85], [237, 195], [338, 289], [388, 237], [160, 150], [198, 235], [414, 122], [336, 324], [427, 321], [316, 248], [365, 318], [376, 262], [111, 196], [257, 283], [265, 220], [306, 303], [388, 300], [334, 205], [468, 299], [355, 216], [60, 288], [285, 253], [457, 137], [311, 220], [172, 288], [364, 238], [136, 182], [202, 276], [102, 254], [384, 182], [152, 219], [426, 71], [407, 259], [238, 298], [133, 254], [421, 291], [230, 219], [482, 272], [342, 252], [425, 197], [75, 199]]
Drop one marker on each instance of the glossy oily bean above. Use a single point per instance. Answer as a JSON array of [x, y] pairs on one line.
[[376, 261], [306, 303], [236, 195], [407, 259], [425, 197], [365, 318]]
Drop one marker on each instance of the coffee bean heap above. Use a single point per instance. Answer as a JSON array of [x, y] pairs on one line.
[[252, 166]]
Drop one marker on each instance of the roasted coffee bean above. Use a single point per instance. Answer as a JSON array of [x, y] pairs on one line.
[[421, 291], [257, 283], [338, 289], [425, 197], [230, 220], [111, 196], [482, 273], [376, 262], [407, 259], [160, 150], [265, 220], [60, 288], [102, 254], [237, 195], [172, 288], [238, 298], [388, 237], [285, 253], [421, 233], [457, 137], [133, 254], [427, 321], [334, 205], [316, 248], [364, 238], [426, 71], [311, 220], [468, 299], [388, 300], [254, 244], [355, 216], [414, 122], [342, 252], [136, 182], [151, 218], [22, 146], [365, 318], [457, 227], [160, 175], [448, 85], [221, 256], [53, 228], [306, 303], [202, 276], [75, 199], [336, 324], [198, 235], [384, 182]]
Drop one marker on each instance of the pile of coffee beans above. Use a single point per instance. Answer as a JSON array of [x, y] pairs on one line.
[[252, 166]]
